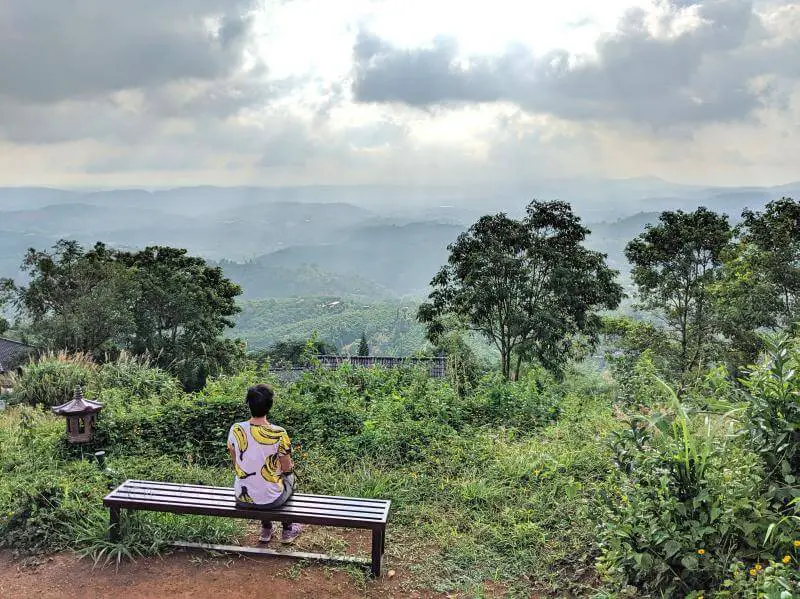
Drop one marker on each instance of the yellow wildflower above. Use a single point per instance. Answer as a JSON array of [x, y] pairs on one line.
[[786, 559], [758, 566], [753, 571], [797, 544], [701, 552]]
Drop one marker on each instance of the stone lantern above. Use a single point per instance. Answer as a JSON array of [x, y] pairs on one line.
[[80, 414]]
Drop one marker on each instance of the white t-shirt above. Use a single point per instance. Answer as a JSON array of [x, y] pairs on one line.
[[258, 449]]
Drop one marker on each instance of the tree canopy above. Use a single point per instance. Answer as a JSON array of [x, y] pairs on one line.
[[529, 285], [158, 301], [363, 346], [675, 265]]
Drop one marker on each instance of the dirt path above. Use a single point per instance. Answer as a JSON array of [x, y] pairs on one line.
[[191, 574], [188, 575]]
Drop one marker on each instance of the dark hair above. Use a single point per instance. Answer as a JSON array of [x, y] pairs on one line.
[[259, 398]]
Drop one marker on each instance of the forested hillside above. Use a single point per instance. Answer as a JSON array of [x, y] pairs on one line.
[[390, 326]]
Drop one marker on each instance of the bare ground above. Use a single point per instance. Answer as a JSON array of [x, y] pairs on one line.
[[185, 574]]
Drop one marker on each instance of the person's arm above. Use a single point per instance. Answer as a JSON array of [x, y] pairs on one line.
[[286, 463], [232, 447], [285, 454], [232, 453]]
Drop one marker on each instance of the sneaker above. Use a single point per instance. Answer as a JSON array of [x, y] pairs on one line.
[[266, 534], [290, 533]]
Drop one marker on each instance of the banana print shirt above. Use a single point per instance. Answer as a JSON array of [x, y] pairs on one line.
[[258, 470]]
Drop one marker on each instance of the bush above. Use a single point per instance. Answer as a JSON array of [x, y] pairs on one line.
[[773, 417], [526, 404], [51, 379], [776, 580], [503, 483], [38, 505], [686, 503], [138, 377]]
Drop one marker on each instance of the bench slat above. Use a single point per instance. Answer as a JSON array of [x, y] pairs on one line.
[[227, 492], [298, 505], [233, 512], [295, 506], [214, 491], [207, 488]]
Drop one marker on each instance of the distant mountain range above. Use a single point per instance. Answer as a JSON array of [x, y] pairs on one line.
[[368, 241]]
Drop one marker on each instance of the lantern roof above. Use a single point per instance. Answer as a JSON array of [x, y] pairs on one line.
[[78, 405]]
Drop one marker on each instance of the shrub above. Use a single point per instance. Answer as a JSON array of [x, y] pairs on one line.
[[773, 417], [137, 377], [526, 404], [38, 505], [51, 379], [777, 580], [686, 503]]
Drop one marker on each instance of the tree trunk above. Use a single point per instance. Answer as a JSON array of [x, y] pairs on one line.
[[519, 364], [505, 362]]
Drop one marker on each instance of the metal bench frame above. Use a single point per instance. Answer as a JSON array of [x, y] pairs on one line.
[[202, 500]]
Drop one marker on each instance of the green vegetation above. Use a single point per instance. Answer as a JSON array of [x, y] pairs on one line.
[[528, 286], [675, 263], [534, 483], [363, 346], [157, 302], [673, 473], [717, 288], [389, 325]]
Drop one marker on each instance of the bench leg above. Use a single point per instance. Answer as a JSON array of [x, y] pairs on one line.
[[378, 535], [113, 531]]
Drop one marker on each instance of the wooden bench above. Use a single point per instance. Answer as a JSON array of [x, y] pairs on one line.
[[201, 500]]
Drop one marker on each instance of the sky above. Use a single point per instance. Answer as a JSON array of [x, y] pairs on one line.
[[399, 92]]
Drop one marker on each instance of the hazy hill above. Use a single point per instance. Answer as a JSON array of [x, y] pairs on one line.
[[374, 239], [402, 258], [78, 219], [261, 280]]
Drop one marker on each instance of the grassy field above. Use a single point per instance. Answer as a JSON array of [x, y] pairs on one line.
[[534, 486]]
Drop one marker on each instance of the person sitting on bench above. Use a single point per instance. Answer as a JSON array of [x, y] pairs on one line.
[[261, 453]]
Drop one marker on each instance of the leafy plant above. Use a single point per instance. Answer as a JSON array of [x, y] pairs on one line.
[[686, 502], [51, 379], [773, 417]]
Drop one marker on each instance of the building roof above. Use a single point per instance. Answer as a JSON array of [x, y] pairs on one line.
[[10, 352]]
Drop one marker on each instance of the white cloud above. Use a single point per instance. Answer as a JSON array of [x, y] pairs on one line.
[[246, 92]]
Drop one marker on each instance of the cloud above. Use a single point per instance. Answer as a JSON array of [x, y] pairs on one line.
[[55, 51], [123, 71], [139, 92], [689, 63]]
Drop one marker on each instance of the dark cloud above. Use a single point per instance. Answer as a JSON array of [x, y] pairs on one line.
[[698, 76], [54, 51], [119, 71]]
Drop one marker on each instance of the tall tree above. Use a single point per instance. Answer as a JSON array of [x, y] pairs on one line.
[[760, 286], [77, 300], [675, 265], [775, 234], [159, 301], [182, 310], [745, 302], [527, 285], [363, 346]]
